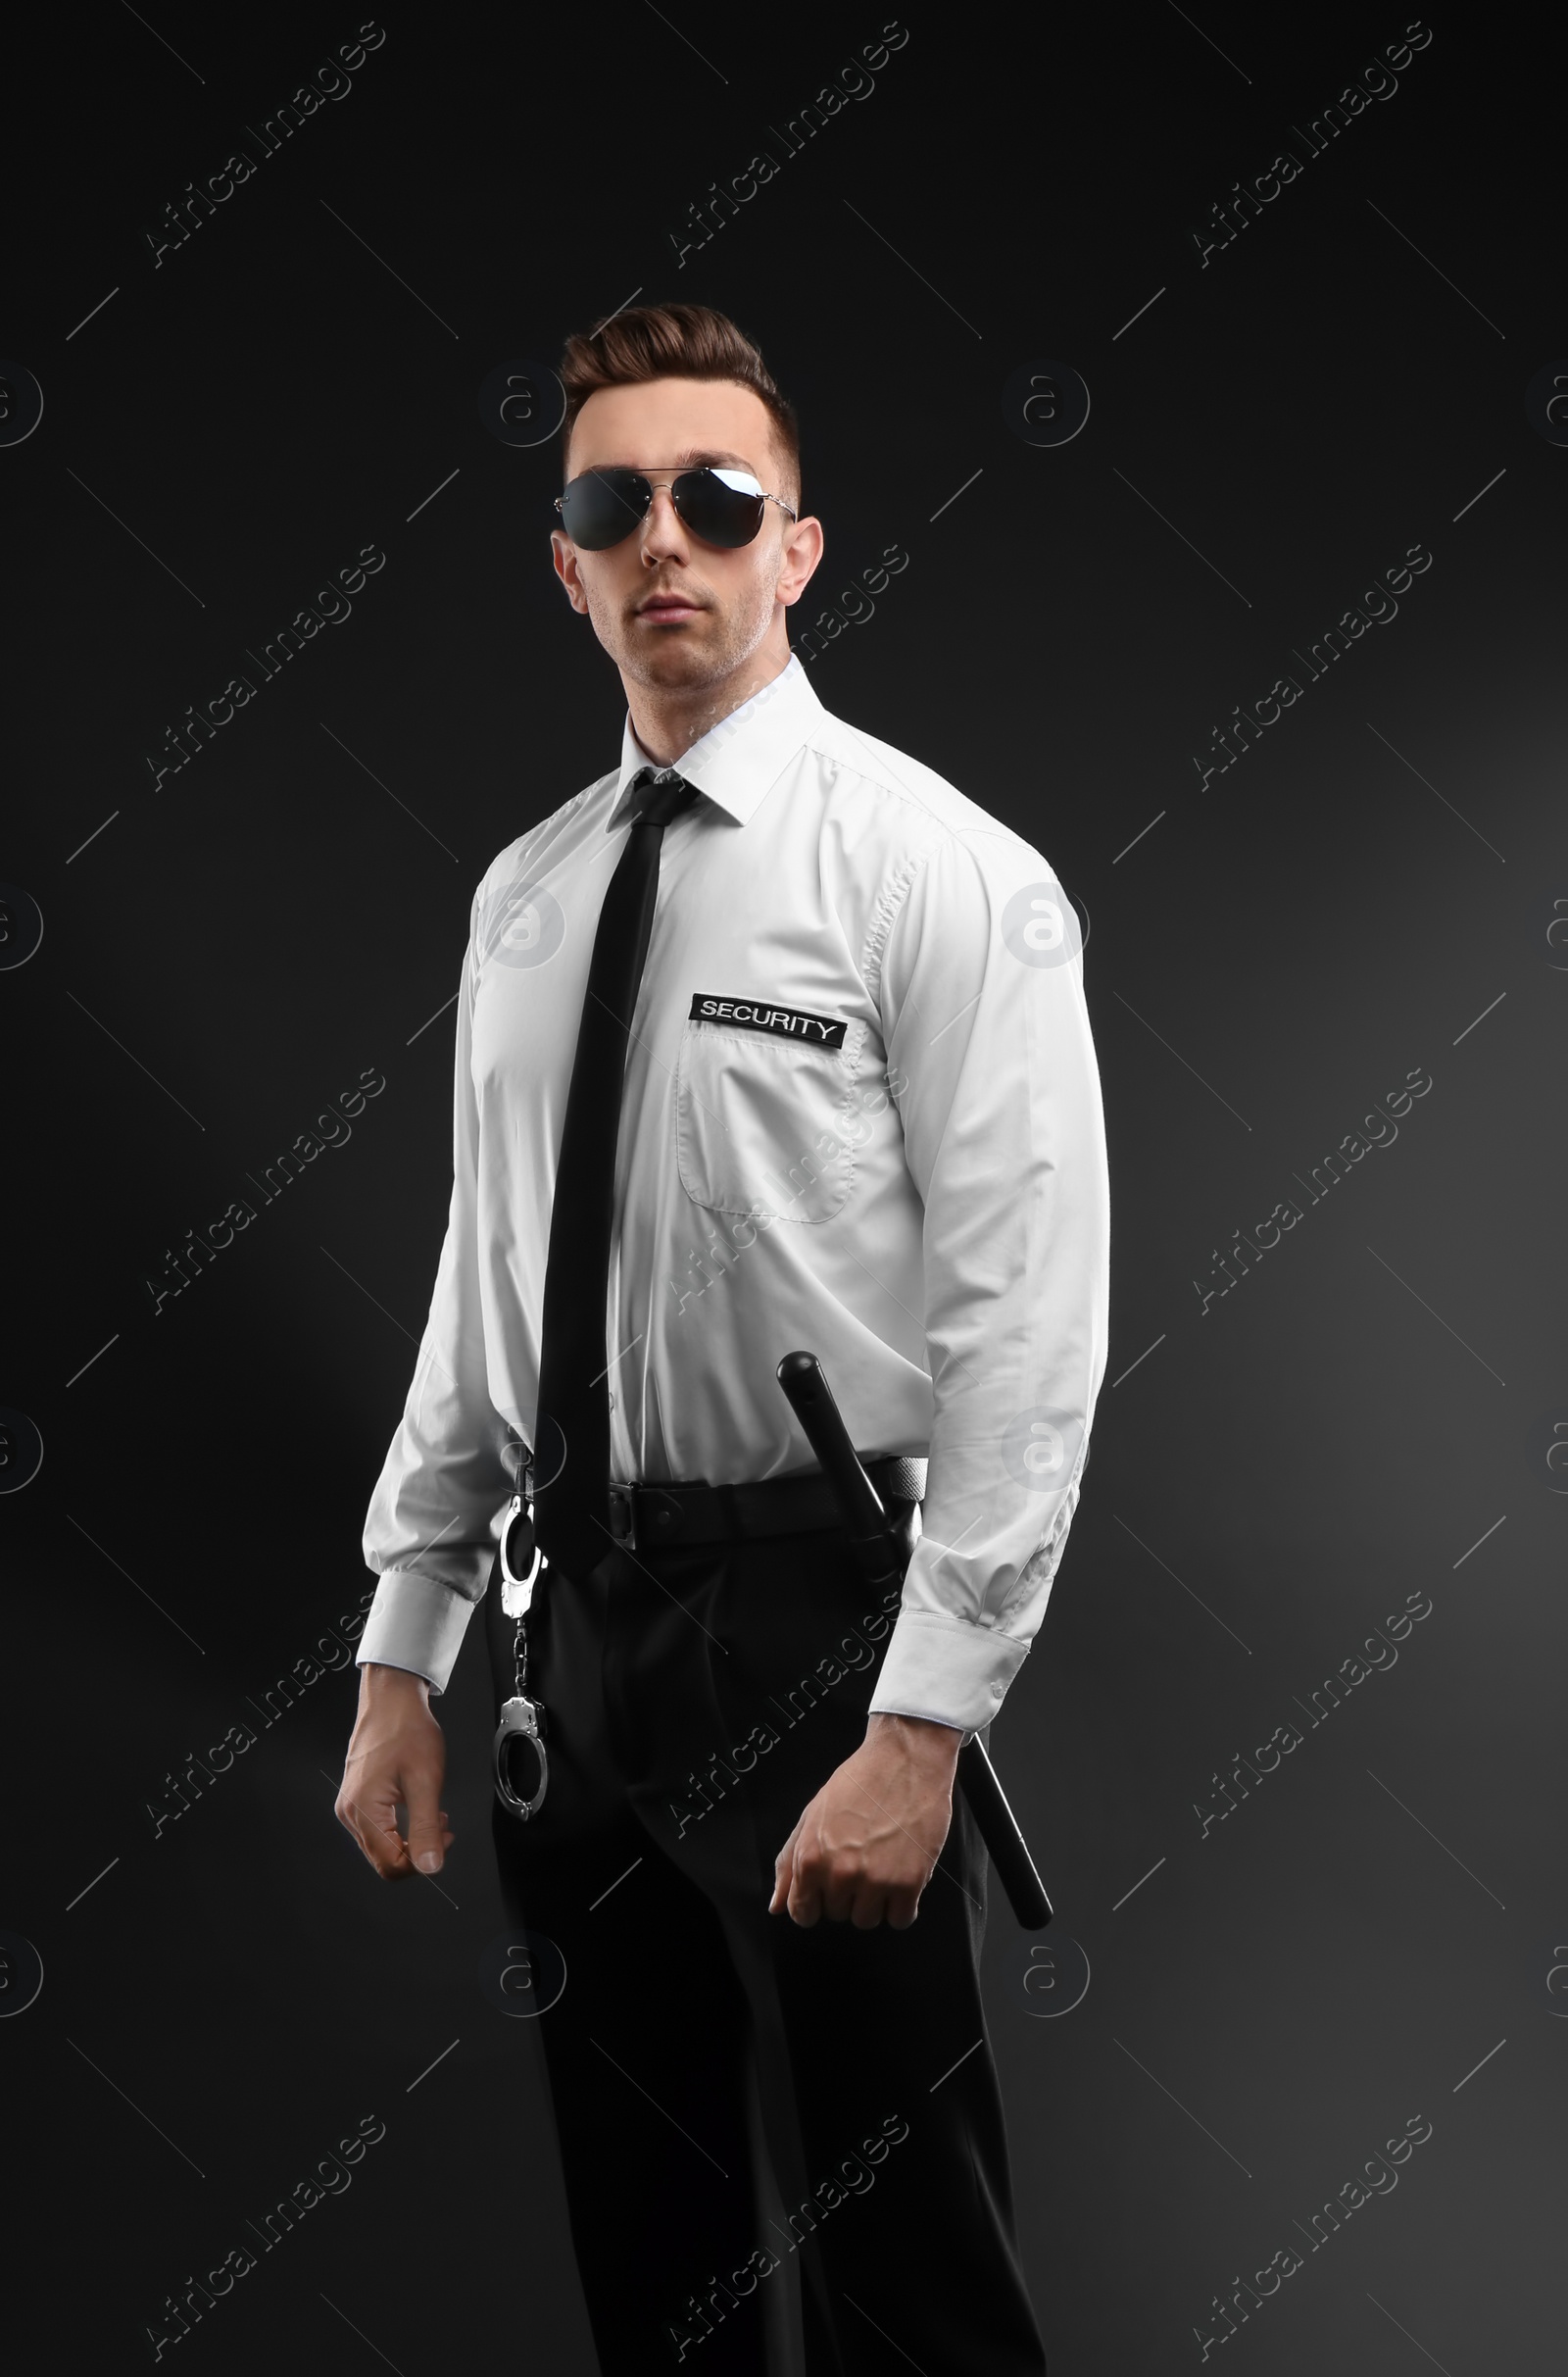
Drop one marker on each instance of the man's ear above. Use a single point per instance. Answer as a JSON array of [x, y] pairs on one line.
[[564, 554], [802, 552]]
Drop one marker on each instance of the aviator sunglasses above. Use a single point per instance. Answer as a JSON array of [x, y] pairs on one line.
[[722, 506]]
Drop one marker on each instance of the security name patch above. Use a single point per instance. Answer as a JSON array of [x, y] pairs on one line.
[[751, 1015]]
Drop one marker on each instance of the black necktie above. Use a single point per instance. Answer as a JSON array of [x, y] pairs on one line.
[[572, 1437]]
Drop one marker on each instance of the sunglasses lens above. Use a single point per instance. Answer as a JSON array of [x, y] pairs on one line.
[[602, 507], [721, 507]]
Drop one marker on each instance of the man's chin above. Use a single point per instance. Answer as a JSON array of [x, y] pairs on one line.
[[670, 658]]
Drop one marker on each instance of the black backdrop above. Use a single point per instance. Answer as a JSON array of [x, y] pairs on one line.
[[1377, 887]]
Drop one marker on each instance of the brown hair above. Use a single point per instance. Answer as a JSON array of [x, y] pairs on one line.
[[674, 342]]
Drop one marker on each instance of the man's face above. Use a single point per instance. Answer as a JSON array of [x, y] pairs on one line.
[[675, 613]]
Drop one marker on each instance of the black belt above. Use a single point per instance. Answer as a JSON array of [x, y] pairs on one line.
[[648, 1517]]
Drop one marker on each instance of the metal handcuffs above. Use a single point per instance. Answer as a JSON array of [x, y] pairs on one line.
[[523, 1714]]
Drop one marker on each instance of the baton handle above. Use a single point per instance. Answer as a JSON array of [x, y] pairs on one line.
[[876, 1547]]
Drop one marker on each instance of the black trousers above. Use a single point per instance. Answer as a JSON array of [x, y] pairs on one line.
[[706, 2060]]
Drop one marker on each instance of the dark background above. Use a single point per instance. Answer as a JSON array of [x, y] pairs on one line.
[[1366, 1415]]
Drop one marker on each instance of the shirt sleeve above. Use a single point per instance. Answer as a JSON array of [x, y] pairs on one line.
[[435, 1519], [991, 1056]]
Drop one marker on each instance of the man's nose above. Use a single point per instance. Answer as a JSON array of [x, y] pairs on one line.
[[663, 531]]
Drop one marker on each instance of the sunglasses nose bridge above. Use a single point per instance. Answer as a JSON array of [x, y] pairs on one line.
[[663, 522]]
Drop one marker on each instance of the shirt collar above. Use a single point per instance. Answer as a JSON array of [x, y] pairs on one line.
[[737, 763]]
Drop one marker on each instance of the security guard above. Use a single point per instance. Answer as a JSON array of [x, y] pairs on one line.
[[768, 1039]]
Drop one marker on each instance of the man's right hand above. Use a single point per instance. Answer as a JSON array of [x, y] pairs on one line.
[[397, 1758]]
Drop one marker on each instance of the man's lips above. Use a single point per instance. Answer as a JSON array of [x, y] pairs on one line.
[[668, 606]]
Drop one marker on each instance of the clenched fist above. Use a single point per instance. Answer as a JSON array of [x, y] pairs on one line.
[[866, 1846]]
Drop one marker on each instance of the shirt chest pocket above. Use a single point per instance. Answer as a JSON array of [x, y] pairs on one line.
[[765, 1125]]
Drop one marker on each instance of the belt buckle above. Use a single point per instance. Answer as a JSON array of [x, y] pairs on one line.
[[623, 1517]]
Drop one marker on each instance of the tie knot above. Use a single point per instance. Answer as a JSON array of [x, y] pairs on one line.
[[659, 795]]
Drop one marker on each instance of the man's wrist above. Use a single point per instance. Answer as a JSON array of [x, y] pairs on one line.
[[925, 1737], [380, 1681]]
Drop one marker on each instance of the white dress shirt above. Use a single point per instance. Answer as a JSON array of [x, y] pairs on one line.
[[879, 1137]]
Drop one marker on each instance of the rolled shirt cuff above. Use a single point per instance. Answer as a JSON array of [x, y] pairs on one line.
[[945, 1668], [414, 1623]]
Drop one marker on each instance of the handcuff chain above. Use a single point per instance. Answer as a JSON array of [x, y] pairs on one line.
[[520, 1653]]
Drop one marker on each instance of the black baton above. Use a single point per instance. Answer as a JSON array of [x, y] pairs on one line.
[[880, 1556]]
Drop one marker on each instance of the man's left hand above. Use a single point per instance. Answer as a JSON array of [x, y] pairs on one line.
[[867, 1845]]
